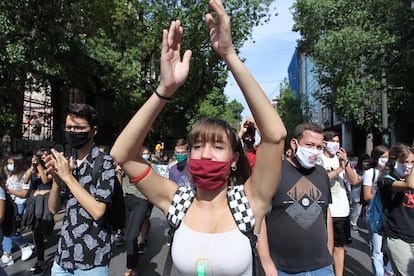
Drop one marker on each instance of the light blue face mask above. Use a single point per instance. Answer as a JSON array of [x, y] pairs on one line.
[[10, 167], [146, 156]]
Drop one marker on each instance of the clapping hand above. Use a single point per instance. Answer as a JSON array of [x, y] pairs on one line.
[[58, 165], [343, 157], [174, 71], [220, 31]]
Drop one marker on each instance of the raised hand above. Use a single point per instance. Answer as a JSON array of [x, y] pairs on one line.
[[174, 71], [220, 31], [58, 165], [343, 157]]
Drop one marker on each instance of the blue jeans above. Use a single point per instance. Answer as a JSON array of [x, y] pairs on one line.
[[17, 238], [2, 271], [97, 271], [377, 258], [324, 271]]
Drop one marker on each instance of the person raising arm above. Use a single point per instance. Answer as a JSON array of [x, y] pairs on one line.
[[216, 163]]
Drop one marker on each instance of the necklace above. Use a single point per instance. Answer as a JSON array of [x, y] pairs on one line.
[[201, 263]]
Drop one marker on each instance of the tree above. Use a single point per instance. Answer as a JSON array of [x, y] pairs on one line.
[[111, 49], [355, 46], [289, 108]]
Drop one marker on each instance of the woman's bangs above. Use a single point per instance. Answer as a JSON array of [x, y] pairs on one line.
[[203, 132]]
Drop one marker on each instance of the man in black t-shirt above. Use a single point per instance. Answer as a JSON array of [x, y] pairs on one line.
[[298, 236]]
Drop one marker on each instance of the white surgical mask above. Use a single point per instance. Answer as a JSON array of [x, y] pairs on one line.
[[332, 147], [146, 156], [403, 169], [307, 157], [382, 161]]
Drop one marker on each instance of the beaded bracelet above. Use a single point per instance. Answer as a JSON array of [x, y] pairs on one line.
[[162, 97]]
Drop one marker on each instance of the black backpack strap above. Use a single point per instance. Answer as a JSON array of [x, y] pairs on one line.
[[180, 203], [96, 171], [97, 166]]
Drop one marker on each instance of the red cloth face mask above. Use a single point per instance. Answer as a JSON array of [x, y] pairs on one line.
[[208, 175]]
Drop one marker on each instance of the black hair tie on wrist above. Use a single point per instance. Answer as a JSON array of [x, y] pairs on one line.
[[162, 97]]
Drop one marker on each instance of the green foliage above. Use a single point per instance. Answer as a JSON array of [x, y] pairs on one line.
[[8, 118], [357, 46], [111, 48], [232, 113], [289, 108]]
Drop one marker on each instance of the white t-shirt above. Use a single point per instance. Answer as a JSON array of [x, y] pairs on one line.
[[226, 253], [16, 184], [370, 180], [356, 190], [340, 205]]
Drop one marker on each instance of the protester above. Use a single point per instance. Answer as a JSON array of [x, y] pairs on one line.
[[379, 157], [335, 161], [208, 240], [85, 242], [43, 222], [178, 172], [363, 164], [137, 221], [299, 212], [396, 185], [247, 134], [19, 191]]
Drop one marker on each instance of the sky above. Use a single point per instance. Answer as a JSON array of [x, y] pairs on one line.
[[269, 57]]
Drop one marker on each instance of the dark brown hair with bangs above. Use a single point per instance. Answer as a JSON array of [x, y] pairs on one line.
[[214, 130]]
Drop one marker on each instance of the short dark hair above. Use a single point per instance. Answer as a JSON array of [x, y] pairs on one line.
[[329, 135], [181, 142], [84, 111], [300, 129], [145, 148]]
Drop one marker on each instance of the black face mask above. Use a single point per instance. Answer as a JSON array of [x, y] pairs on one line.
[[77, 139]]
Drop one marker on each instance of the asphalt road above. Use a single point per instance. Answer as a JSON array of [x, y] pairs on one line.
[[357, 261]]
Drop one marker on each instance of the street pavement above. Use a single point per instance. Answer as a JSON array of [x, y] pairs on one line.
[[357, 261]]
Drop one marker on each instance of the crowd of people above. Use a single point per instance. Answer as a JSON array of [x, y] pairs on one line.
[[235, 207]]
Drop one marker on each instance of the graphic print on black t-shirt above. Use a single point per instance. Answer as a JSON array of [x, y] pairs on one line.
[[408, 200], [304, 208]]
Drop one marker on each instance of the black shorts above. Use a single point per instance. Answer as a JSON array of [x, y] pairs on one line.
[[342, 231]]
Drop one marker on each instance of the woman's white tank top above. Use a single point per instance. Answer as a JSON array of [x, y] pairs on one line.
[[226, 253]]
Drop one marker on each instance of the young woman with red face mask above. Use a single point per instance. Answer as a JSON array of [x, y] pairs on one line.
[[208, 241]]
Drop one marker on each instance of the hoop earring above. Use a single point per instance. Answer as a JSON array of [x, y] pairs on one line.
[[234, 168]]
